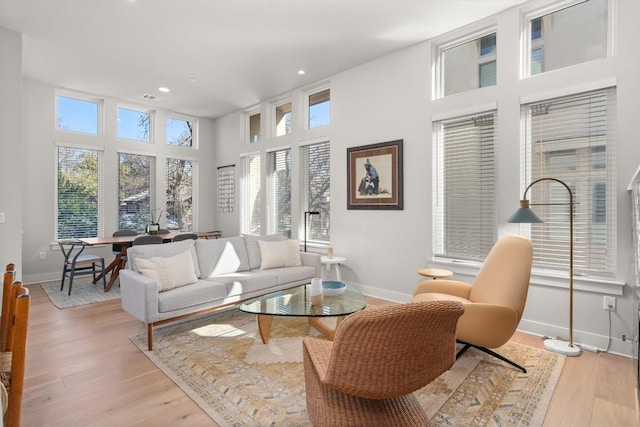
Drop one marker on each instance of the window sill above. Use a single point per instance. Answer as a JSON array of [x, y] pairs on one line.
[[543, 278]]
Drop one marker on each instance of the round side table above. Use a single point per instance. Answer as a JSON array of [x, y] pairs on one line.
[[336, 260], [435, 273]]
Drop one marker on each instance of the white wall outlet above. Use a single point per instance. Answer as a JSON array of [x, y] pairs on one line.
[[609, 303], [43, 255]]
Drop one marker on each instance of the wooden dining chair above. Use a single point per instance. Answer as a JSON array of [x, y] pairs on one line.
[[119, 250], [9, 276], [77, 263], [12, 360]]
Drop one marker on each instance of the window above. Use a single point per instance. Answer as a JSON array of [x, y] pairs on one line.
[[568, 36], [134, 124], [469, 65], [319, 109], [80, 210], [77, 115], [254, 127], [315, 173], [136, 191], [179, 132], [283, 119], [279, 192], [571, 138], [251, 217], [179, 215], [464, 205]]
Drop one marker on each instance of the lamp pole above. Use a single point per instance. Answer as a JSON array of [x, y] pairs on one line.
[[306, 215], [526, 215]]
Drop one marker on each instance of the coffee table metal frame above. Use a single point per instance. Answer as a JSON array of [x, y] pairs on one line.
[[296, 302]]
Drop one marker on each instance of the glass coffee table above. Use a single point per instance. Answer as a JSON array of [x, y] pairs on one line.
[[295, 302]]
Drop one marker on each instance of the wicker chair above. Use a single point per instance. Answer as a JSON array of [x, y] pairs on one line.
[[379, 357]]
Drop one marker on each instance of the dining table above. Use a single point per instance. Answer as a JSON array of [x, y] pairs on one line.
[[125, 242]]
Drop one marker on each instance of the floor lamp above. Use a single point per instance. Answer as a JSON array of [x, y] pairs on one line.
[[526, 215], [306, 215]]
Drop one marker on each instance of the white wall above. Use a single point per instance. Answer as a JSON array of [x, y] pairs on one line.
[[40, 169], [11, 159], [390, 99]]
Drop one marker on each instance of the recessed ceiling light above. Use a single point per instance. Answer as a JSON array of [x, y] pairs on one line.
[[164, 89], [301, 72]]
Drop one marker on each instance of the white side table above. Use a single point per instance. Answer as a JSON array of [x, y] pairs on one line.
[[336, 260]]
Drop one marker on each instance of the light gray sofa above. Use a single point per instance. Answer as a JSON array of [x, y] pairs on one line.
[[225, 272]]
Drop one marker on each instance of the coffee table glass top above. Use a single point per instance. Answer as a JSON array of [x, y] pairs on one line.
[[296, 302]]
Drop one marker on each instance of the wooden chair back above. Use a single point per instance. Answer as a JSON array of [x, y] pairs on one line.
[[9, 276]]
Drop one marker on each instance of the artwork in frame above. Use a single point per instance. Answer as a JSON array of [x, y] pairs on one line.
[[374, 176]]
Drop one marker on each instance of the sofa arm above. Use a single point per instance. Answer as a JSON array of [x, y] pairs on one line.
[[312, 260], [139, 296]]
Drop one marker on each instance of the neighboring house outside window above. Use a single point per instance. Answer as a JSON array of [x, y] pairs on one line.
[[136, 191]]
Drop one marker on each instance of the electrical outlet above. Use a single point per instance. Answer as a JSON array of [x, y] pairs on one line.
[[43, 255], [609, 303]]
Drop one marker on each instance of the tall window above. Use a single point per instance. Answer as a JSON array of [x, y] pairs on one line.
[[464, 179], [136, 191], [555, 41], [279, 192], [251, 217], [78, 115], [179, 132], [572, 139], [469, 65], [134, 124], [320, 108], [179, 215], [254, 127], [315, 173], [79, 193], [283, 119]]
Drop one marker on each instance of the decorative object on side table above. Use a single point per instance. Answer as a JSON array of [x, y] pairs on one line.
[[374, 176], [154, 227], [526, 215]]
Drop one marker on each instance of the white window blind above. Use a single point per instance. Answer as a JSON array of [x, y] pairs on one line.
[[279, 192], [136, 191], [250, 198], [80, 195], [571, 138], [465, 187], [315, 174]]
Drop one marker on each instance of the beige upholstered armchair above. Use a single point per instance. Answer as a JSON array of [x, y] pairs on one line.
[[379, 357], [493, 305]]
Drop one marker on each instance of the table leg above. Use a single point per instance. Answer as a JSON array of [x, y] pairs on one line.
[[326, 331], [115, 267], [264, 327]]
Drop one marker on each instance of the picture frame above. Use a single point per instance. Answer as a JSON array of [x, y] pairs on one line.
[[374, 176]]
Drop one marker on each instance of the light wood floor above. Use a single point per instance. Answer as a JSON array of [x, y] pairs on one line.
[[82, 370]]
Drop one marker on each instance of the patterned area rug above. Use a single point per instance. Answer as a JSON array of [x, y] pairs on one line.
[[220, 362], [84, 292]]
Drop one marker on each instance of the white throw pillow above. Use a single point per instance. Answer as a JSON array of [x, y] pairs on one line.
[[279, 254], [170, 272]]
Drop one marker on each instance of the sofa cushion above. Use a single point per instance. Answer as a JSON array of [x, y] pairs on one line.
[[164, 250], [169, 272], [279, 254], [197, 294], [294, 274], [221, 256], [243, 282], [253, 250]]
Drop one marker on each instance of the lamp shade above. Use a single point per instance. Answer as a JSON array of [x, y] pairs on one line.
[[525, 214]]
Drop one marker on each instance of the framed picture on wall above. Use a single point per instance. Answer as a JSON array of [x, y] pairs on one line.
[[374, 176]]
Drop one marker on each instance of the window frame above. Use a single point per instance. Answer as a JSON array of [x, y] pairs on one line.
[[276, 106], [307, 106], [152, 120], [81, 97], [194, 190], [272, 191], [325, 212], [246, 195], [248, 115], [194, 130], [153, 196]]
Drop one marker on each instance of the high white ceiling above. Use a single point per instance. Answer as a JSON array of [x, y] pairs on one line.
[[237, 52]]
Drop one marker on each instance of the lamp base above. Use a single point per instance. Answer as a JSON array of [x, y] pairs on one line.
[[562, 347]]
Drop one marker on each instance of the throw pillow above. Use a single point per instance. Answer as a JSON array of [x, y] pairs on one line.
[[169, 272], [279, 254], [253, 250]]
